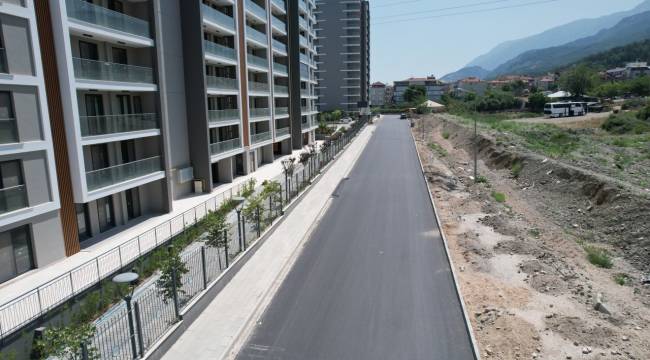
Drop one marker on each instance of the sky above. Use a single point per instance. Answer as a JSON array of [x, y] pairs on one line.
[[438, 44]]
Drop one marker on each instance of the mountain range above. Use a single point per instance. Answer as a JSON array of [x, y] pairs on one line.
[[560, 45]]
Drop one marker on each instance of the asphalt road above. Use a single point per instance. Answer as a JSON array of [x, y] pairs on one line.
[[373, 281]]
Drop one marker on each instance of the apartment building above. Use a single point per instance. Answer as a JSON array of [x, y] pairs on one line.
[[434, 88], [377, 94], [343, 45], [132, 105], [30, 227]]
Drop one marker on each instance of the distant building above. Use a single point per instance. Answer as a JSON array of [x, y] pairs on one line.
[[377, 94], [435, 88], [388, 94], [546, 82], [470, 85], [631, 70]]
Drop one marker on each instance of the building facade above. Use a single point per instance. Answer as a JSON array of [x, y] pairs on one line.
[[377, 94], [343, 45], [434, 87], [113, 110]]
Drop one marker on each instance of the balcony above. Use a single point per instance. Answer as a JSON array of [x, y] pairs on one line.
[[112, 175], [282, 132], [280, 4], [224, 146], [114, 124], [254, 86], [280, 68], [256, 10], [279, 111], [8, 131], [260, 112], [303, 23], [280, 90], [257, 138], [256, 35], [219, 18], [303, 6], [13, 198], [257, 61], [103, 17], [107, 71], [218, 50], [220, 116], [278, 24], [303, 41], [221, 83], [3, 61], [304, 125], [277, 45]]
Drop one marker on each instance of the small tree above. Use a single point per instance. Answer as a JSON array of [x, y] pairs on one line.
[[537, 101], [65, 342], [578, 80], [166, 284], [304, 158], [415, 93], [336, 115], [253, 212], [217, 230]]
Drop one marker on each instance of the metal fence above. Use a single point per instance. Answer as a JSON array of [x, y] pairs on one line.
[[151, 313]]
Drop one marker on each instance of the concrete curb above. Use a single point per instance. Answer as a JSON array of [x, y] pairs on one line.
[[195, 307], [468, 324]]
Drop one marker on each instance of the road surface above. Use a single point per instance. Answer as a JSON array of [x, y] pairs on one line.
[[373, 281]]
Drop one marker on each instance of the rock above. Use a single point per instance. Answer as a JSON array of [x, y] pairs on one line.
[[600, 306], [586, 350], [615, 352], [625, 338]]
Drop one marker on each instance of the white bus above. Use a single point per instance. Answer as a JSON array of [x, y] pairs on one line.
[[562, 109]]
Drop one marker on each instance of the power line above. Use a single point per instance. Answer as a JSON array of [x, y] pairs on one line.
[[394, 3], [444, 9], [466, 12]]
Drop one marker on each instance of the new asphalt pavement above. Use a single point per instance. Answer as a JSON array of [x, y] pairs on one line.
[[373, 281]]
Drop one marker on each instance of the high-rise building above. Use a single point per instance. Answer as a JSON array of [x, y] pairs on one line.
[[343, 46], [133, 105]]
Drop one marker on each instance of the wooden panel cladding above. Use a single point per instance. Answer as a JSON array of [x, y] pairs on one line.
[[243, 70], [55, 109]]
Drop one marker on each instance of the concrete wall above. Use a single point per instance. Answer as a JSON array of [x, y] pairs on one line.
[[47, 239], [17, 42]]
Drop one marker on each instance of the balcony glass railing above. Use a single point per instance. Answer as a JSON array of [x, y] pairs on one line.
[[281, 111], [8, 131], [257, 61], [107, 71], [217, 116], [280, 68], [113, 124], [282, 132], [217, 17], [304, 58], [278, 24], [303, 41], [304, 125], [256, 9], [302, 22], [221, 83], [280, 3], [260, 112], [259, 137], [258, 86], [258, 36], [281, 90], [112, 175], [279, 46], [3, 61], [212, 48], [101, 16], [13, 198], [303, 5], [224, 146]]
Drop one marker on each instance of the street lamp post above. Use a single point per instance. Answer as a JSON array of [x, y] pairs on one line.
[[129, 278]]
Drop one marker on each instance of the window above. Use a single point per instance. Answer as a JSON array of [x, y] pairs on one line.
[[119, 56], [83, 221], [12, 188], [105, 213], [15, 253], [8, 133], [88, 50]]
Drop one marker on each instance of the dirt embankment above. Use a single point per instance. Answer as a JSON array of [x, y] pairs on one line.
[[517, 239]]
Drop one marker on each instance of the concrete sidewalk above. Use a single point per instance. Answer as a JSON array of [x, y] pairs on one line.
[[224, 325], [115, 237]]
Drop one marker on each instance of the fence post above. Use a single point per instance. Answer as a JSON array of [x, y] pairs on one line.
[[170, 249], [257, 210], [226, 248], [271, 207], [243, 230], [138, 323], [129, 314], [203, 267], [84, 351]]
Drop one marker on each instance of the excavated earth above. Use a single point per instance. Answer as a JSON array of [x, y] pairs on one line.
[[523, 270]]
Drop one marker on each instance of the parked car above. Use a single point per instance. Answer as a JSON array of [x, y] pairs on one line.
[[346, 120], [403, 116]]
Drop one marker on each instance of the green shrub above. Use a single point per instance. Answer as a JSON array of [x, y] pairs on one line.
[[482, 179], [626, 123], [599, 257], [516, 168], [621, 279], [499, 197], [445, 135], [439, 149]]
